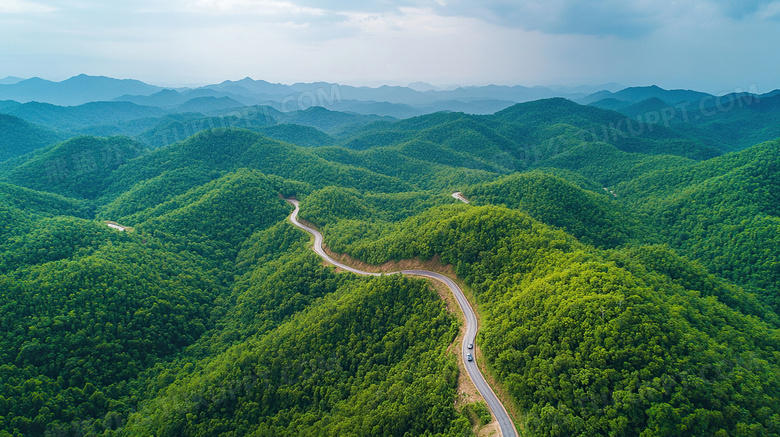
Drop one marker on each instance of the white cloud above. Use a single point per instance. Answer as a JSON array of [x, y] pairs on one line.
[[23, 7], [770, 11], [254, 7], [621, 18], [673, 43]]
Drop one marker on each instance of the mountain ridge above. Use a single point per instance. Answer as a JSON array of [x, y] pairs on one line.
[[626, 281]]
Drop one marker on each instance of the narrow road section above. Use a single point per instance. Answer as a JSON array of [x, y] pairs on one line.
[[460, 197], [496, 407]]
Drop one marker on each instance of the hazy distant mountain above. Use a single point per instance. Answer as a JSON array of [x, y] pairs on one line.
[[209, 105], [423, 87], [74, 91], [245, 99], [412, 96], [253, 87], [166, 98], [518, 94], [588, 89], [638, 94], [610, 103], [394, 101], [8, 104], [653, 104], [328, 121], [417, 98], [402, 110], [478, 107], [395, 110], [89, 114], [171, 99], [10, 80]]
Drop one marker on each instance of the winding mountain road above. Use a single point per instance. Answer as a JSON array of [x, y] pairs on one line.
[[496, 407]]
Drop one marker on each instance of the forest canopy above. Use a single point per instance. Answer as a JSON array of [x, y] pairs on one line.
[[626, 284]]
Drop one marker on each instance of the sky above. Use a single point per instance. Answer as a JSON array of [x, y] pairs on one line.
[[715, 46]]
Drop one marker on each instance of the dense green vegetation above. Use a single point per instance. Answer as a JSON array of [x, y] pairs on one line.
[[310, 127], [81, 322], [627, 281], [80, 167], [592, 343], [68, 118], [228, 150], [594, 218], [730, 122], [723, 211], [18, 137], [305, 136], [368, 359]]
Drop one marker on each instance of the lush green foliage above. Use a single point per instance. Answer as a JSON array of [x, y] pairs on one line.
[[369, 359], [18, 137], [723, 211], [479, 412], [90, 114], [20, 207], [75, 332], [593, 344], [229, 150], [80, 167], [609, 279], [304, 136], [98, 320], [214, 219], [593, 218]]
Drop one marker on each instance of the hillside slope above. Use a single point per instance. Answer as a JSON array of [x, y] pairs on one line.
[[626, 283], [18, 137]]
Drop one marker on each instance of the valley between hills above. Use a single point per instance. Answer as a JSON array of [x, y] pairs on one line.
[[624, 280]]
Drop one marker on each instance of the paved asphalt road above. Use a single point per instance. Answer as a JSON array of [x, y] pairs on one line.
[[499, 412]]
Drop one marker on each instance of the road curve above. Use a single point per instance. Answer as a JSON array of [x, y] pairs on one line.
[[496, 407]]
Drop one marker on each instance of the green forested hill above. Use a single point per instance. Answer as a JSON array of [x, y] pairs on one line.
[[226, 150], [592, 343], [214, 220], [109, 305], [737, 123], [305, 136], [89, 114], [303, 127], [21, 207], [723, 211], [626, 283], [80, 167], [368, 359], [541, 120], [18, 137], [729, 122], [594, 218], [525, 136]]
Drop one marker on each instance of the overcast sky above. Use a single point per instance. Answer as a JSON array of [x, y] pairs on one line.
[[709, 45]]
